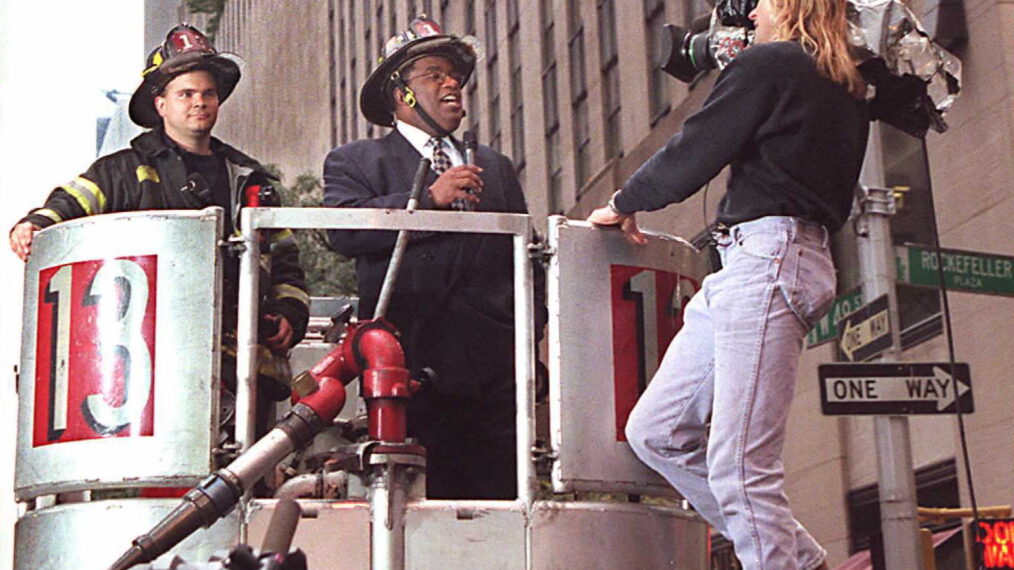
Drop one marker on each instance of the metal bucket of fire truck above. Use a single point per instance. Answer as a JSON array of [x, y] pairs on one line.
[[118, 388], [613, 309]]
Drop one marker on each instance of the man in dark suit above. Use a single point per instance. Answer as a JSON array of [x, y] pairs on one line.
[[453, 300]]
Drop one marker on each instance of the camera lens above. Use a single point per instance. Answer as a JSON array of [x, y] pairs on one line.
[[684, 55]]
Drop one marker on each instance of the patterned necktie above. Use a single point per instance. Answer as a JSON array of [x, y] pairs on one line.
[[441, 162]]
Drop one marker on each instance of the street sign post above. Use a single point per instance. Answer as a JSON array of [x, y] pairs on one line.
[[866, 333], [895, 388]]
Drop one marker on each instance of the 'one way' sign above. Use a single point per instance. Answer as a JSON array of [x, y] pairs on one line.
[[895, 388]]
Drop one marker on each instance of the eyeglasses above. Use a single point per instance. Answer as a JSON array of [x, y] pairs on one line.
[[439, 76]]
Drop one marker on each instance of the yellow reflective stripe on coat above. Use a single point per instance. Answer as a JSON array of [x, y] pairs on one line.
[[284, 290], [282, 235], [145, 172], [87, 194], [47, 213]]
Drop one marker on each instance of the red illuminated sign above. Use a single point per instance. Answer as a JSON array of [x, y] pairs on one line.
[[95, 350], [996, 543], [647, 307]]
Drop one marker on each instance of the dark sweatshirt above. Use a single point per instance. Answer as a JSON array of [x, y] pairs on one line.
[[795, 140]]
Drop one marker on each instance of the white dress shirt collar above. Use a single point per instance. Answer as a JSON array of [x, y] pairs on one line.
[[420, 140]]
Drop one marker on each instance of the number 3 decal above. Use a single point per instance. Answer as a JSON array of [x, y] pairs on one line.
[[120, 290], [95, 350]]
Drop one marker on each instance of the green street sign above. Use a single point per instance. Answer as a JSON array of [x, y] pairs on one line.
[[826, 328], [971, 271]]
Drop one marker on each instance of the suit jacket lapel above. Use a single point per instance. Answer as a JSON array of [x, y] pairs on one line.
[[471, 244], [405, 160]]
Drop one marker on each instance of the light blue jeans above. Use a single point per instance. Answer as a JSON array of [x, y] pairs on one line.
[[733, 365]]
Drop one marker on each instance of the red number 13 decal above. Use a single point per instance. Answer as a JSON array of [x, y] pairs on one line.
[[95, 350]]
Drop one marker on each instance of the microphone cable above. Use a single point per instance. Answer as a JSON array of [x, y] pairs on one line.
[[948, 332]]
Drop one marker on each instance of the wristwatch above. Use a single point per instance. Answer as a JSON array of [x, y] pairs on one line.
[[611, 204]]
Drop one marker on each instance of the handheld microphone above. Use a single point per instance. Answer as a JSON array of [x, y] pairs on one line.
[[470, 145], [470, 142]]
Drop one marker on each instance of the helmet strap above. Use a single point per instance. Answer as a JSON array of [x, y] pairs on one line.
[[409, 98]]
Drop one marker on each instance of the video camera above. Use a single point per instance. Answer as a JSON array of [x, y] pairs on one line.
[[712, 41], [913, 80]]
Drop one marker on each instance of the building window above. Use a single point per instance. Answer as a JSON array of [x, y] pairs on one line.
[[517, 101], [549, 102], [492, 76], [354, 123], [658, 87], [579, 96], [379, 27], [695, 9], [512, 15], [342, 92], [472, 91], [723, 556], [472, 94], [392, 22], [470, 17], [368, 37], [904, 166], [341, 104], [609, 56], [935, 486]]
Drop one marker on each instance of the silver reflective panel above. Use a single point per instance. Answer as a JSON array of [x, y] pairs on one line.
[[91, 536], [613, 308], [618, 535], [118, 354], [491, 535], [890, 30], [465, 534]]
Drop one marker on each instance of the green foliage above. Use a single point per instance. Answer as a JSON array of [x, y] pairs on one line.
[[212, 7], [328, 274]]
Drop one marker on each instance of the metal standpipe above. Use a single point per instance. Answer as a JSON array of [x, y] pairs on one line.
[[524, 367], [390, 474], [246, 331], [898, 514], [524, 379], [388, 496]]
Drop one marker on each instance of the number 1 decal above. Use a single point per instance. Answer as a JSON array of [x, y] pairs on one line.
[[95, 350], [58, 288], [647, 308]]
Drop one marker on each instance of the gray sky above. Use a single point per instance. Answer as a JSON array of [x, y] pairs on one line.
[[56, 59]]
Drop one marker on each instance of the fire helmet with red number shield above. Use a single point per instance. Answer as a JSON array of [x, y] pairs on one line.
[[185, 49], [423, 38]]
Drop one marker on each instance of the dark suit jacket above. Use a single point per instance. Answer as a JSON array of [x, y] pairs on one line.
[[453, 300]]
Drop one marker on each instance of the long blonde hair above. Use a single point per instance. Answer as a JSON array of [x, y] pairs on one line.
[[821, 28]]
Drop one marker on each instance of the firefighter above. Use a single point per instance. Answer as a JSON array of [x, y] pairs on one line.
[[177, 164], [453, 301]]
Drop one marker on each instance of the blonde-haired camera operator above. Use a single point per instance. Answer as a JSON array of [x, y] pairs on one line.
[[788, 116]]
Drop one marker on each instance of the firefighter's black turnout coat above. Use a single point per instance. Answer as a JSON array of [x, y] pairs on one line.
[[151, 175]]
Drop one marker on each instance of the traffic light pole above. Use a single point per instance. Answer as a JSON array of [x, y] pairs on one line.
[[898, 518]]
